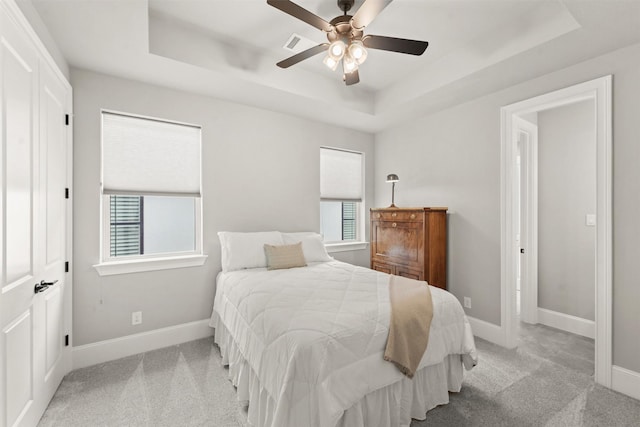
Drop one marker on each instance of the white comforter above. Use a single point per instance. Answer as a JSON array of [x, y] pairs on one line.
[[315, 336]]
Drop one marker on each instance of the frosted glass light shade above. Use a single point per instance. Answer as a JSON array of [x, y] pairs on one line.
[[337, 50], [330, 62], [357, 51], [349, 64]]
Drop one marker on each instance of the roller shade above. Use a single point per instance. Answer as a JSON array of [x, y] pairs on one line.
[[147, 156], [340, 175]]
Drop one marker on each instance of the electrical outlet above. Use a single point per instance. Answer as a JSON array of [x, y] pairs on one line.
[[467, 302], [136, 318]]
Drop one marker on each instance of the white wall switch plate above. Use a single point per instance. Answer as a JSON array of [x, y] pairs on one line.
[[136, 318], [590, 220], [467, 302]]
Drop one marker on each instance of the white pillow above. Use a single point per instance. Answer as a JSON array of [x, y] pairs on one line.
[[246, 250], [312, 245]]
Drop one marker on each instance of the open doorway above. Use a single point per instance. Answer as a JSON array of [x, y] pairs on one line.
[[519, 195]]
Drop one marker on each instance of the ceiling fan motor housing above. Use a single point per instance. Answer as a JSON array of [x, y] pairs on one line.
[[343, 30]]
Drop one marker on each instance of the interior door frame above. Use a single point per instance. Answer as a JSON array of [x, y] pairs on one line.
[[598, 90]]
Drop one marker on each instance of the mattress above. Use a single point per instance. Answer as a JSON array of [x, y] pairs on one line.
[[309, 343]]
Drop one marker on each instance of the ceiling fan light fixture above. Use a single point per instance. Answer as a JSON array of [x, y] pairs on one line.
[[345, 36], [337, 50], [331, 63], [357, 51]]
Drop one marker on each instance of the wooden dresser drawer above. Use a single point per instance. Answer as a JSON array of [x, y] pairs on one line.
[[390, 215], [385, 268]]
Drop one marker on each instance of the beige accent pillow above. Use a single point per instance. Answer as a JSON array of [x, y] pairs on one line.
[[284, 256]]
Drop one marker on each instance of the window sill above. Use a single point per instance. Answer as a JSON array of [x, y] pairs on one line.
[[149, 264], [344, 247]]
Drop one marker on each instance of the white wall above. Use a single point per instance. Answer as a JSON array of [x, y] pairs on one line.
[[566, 194], [260, 172], [452, 158], [32, 15]]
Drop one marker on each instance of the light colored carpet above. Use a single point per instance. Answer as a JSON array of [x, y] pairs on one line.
[[547, 381]]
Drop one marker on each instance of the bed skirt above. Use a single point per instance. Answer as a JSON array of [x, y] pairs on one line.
[[391, 406]]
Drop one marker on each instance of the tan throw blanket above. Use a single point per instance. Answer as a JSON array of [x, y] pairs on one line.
[[411, 314]]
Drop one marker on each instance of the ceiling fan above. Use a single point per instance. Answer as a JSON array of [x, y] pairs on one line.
[[347, 42]]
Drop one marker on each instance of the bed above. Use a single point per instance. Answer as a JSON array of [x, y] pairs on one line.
[[305, 345]]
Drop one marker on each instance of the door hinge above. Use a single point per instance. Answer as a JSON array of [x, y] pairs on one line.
[[521, 250], [66, 340], [66, 193], [66, 119], [66, 266]]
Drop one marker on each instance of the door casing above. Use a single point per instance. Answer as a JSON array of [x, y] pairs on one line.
[[598, 90]]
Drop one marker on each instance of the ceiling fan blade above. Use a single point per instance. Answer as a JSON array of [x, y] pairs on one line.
[[292, 60], [412, 47], [301, 13], [367, 12], [351, 78]]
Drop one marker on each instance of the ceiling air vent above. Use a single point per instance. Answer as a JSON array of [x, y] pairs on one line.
[[296, 43], [293, 41]]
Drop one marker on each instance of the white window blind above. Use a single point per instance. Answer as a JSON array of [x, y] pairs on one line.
[[340, 175], [147, 156]]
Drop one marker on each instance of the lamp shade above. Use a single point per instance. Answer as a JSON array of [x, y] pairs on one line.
[[392, 177]]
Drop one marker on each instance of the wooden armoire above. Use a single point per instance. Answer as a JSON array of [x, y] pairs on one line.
[[410, 242]]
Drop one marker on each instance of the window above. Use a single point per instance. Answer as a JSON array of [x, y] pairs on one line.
[[341, 190], [150, 193]]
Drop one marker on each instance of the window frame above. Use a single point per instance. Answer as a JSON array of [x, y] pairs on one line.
[[360, 241], [110, 265]]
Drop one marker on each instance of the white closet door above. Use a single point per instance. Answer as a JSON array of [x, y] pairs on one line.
[[33, 221], [55, 302]]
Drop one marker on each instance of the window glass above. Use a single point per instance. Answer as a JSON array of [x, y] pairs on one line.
[[339, 221], [143, 225]]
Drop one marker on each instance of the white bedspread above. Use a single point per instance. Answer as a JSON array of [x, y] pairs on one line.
[[315, 336]]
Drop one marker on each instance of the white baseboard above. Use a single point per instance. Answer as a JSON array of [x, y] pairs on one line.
[[104, 351], [567, 322], [625, 381], [487, 331]]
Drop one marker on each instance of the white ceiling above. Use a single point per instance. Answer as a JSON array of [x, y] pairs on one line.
[[228, 49]]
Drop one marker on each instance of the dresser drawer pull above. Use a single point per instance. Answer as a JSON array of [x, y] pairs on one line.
[[378, 216], [394, 224], [395, 214], [413, 216]]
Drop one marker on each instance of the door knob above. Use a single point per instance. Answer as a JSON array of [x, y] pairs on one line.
[[42, 286]]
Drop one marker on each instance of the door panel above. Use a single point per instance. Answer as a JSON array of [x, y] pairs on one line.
[[33, 225], [398, 241], [18, 318], [18, 112], [52, 209], [54, 329], [19, 354], [53, 151]]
